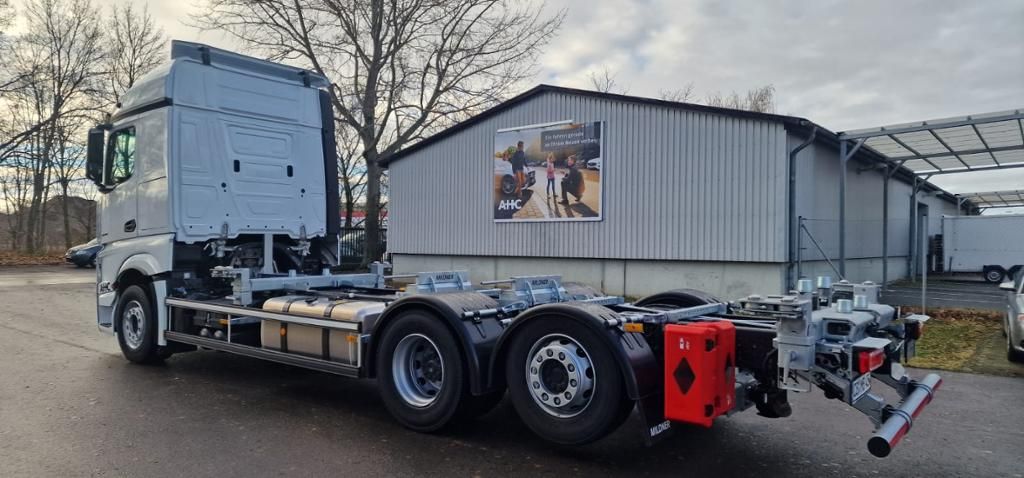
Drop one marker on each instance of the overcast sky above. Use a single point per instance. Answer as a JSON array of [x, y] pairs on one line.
[[844, 65]]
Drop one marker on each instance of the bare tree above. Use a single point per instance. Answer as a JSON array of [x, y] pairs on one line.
[[15, 181], [64, 37], [604, 81], [136, 46], [351, 172], [68, 159], [399, 69], [679, 95], [760, 99]]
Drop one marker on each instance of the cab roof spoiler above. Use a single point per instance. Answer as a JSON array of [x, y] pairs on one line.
[[208, 55]]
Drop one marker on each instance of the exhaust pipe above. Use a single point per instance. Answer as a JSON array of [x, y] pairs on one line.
[[902, 418]]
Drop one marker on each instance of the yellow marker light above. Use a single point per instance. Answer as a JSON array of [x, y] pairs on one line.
[[284, 331], [351, 338], [633, 327]]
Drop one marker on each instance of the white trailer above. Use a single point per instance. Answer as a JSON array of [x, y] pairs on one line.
[[988, 245]]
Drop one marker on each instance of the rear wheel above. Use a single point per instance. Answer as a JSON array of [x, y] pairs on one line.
[[565, 383], [994, 275], [1011, 353], [421, 373], [677, 299]]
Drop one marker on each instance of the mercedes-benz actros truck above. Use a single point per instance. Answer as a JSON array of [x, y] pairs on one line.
[[218, 220]]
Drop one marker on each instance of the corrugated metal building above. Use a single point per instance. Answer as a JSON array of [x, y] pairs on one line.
[[693, 196]]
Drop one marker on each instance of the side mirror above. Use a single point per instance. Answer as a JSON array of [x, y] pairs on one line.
[[1008, 286], [94, 157]]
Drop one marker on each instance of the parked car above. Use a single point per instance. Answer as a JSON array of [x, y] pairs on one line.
[[83, 255], [594, 164], [505, 182], [1013, 326]]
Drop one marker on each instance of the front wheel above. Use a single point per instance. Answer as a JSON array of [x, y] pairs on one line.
[[137, 327], [565, 383], [422, 378]]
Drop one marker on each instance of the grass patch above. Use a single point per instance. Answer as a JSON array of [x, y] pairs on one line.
[[964, 340], [8, 258]]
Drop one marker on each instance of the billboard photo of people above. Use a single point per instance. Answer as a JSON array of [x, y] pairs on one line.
[[548, 173]]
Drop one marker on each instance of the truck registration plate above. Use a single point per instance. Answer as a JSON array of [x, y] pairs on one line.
[[861, 385]]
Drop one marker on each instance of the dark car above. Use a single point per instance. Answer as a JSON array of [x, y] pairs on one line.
[[83, 255]]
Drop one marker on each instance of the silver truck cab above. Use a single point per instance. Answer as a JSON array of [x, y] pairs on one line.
[[205, 157]]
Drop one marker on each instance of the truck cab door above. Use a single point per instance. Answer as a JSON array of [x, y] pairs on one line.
[[118, 219]]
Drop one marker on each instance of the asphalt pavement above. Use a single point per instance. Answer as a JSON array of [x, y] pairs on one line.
[[947, 292], [71, 406]]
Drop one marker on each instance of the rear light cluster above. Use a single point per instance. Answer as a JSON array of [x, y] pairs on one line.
[[869, 359]]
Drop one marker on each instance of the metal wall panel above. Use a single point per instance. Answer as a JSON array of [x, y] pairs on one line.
[[678, 185], [817, 195]]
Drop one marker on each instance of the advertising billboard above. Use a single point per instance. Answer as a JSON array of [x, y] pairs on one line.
[[549, 172]]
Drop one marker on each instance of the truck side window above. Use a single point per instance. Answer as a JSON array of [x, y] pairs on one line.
[[122, 152]]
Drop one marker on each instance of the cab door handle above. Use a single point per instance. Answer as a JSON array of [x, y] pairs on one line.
[[129, 226]]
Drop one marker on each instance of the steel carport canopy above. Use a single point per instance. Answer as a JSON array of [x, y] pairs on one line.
[[994, 199], [952, 145], [982, 142]]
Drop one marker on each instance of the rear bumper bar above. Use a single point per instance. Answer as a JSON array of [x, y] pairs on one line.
[[900, 419]]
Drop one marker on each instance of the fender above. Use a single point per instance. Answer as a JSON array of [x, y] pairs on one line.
[[637, 362], [148, 266], [144, 263], [476, 338]]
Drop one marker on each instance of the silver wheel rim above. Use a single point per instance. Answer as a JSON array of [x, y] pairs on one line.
[[993, 276], [418, 370], [133, 324], [560, 376]]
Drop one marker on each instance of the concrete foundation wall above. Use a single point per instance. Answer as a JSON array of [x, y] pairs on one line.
[[637, 278], [858, 270]]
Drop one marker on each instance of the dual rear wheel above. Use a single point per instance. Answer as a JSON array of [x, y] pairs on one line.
[[563, 380], [423, 378]]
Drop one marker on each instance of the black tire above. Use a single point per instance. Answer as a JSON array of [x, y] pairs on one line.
[[1011, 354], [452, 394], [994, 274], [678, 298], [136, 311], [609, 405], [508, 184]]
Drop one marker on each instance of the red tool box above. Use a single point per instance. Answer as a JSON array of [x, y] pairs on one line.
[[700, 375]]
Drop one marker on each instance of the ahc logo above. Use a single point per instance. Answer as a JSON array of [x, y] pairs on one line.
[[507, 204]]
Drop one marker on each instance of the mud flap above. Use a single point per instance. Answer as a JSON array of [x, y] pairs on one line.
[[651, 410]]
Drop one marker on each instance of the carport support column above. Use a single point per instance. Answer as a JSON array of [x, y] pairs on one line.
[[842, 207], [844, 158], [913, 231], [885, 225]]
